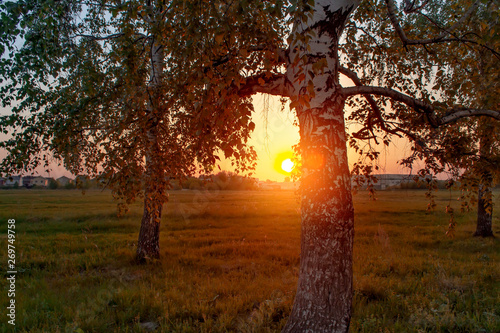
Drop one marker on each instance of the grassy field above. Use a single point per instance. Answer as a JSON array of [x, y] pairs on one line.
[[229, 263]]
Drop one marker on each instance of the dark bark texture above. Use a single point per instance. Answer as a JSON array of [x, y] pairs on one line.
[[485, 196], [148, 245], [484, 213]]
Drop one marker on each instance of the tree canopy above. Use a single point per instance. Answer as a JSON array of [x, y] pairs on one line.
[[123, 91], [446, 54], [87, 80], [438, 65]]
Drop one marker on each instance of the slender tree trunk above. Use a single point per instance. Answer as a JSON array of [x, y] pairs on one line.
[[324, 292], [484, 196], [148, 244], [484, 211]]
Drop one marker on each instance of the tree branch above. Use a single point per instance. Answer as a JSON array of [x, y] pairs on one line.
[[99, 38], [376, 110], [456, 114], [414, 103], [378, 113], [451, 116], [410, 6], [282, 56], [438, 39], [355, 79], [273, 84]]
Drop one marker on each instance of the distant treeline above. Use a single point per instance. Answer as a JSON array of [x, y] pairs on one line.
[[422, 185], [223, 180]]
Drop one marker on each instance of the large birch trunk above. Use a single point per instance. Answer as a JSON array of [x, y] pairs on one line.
[[148, 244], [324, 292]]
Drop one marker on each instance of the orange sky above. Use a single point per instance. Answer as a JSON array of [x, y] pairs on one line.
[[282, 135], [273, 139]]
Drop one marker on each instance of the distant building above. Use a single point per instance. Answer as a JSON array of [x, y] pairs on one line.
[[386, 181], [82, 179], [28, 181], [269, 185], [13, 180], [40, 181], [64, 180], [391, 180]]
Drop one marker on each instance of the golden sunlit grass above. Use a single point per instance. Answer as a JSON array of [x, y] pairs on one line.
[[230, 264]]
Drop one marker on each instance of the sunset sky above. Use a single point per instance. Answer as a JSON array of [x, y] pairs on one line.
[[273, 139], [282, 135]]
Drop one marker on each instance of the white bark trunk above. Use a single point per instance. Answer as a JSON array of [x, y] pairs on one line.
[[314, 50], [324, 292], [148, 245]]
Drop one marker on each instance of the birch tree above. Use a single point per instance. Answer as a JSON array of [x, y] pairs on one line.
[[98, 86], [470, 148], [391, 97]]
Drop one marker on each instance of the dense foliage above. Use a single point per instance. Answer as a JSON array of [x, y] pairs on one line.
[[97, 85]]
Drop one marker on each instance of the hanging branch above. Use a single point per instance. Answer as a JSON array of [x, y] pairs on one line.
[[438, 39]]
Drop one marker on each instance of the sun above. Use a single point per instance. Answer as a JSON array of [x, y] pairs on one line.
[[287, 165]]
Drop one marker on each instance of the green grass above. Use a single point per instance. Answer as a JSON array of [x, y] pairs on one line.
[[229, 263]]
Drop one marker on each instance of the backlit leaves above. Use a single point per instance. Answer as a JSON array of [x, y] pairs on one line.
[[78, 78]]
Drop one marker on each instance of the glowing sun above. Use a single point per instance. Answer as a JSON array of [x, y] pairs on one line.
[[287, 165]]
